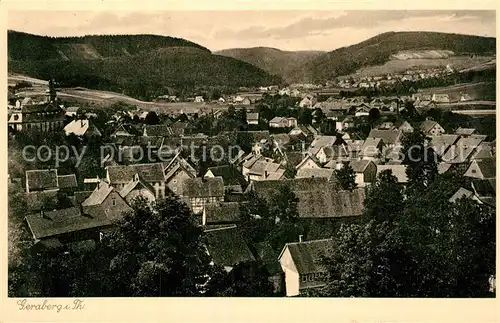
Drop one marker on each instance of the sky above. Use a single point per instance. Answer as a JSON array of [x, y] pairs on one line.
[[286, 30]]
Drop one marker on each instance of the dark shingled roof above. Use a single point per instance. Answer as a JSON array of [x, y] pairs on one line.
[[42, 179], [158, 130], [269, 258], [227, 247], [389, 137], [307, 256], [199, 187], [230, 174], [36, 200], [488, 167], [57, 222], [67, 181], [222, 213], [81, 196], [124, 174], [318, 197]]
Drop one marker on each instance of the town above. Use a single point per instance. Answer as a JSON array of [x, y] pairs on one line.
[[144, 165], [325, 153]]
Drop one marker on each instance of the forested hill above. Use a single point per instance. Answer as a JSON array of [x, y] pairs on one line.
[[141, 66], [378, 50], [23, 46]]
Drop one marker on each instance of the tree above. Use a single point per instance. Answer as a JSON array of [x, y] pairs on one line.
[[152, 118], [373, 116], [421, 160], [158, 251], [290, 171], [346, 177]]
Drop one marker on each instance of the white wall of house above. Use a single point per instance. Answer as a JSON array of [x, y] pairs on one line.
[[308, 165], [175, 182], [292, 282]]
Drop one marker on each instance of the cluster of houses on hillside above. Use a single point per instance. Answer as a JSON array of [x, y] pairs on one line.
[[413, 74], [215, 196]]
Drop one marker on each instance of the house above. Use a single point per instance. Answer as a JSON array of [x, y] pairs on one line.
[[482, 169], [315, 173], [282, 122], [153, 174], [229, 173], [318, 198], [440, 144], [138, 188], [41, 180], [82, 128], [302, 264], [390, 138], [253, 118], [45, 116], [221, 214], [399, 171], [483, 151], [440, 98], [465, 132], [403, 126], [108, 200], [371, 149], [463, 149], [308, 162], [67, 183], [485, 191], [121, 131], [246, 101], [431, 128], [365, 170], [199, 192], [386, 126], [199, 99], [262, 170], [317, 147], [227, 248], [307, 102], [465, 97], [71, 111], [176, 172]]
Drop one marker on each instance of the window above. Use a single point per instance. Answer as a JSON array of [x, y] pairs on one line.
[[113, 202], [304, 278], [16, 117], [174, 181], [473, 171], [311, 277]]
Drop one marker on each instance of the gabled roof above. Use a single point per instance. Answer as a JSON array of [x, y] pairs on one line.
[[227, 247], [308, 255], [136, 182], [203, 187], [487, 167], [389, 137], [306, 158], [399, 171], [315, 172], [461, 193], [42, 179], [99, 194], [67, 181], [124, 174], [427, 125], [230, 174], [465, 131], [320, 142], [227, 212], [359, 166], [37, 200], [81, 196], [158, 130], [80, 128], [371, 147]]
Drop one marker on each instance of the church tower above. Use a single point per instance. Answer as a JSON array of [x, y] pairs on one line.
[[52, 95]]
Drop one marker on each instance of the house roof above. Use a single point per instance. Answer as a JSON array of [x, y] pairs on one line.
[[427, 125], [315, 172], [137, 181], [262, 167], [203, 187], [99, 194], [371, 147], [253, 116], [230, 174], [465, 131], [399, 171], [81, 196], [320, 142], [227, 247], [306, 158], [77, 127], [42, 179], [158, 130], [461, 193], [268, 257], [124, 174], [487, 167], [389, 137], [67, 181], [318, 197], [442, 142], [278, 174], [359, 166], [37, 200], [222, 212], [443, 167], [68, 220], [308, 255]]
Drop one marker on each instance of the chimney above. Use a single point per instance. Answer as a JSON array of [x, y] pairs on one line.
[[266, 174], [300, 237], [81, 123], [42, 213]]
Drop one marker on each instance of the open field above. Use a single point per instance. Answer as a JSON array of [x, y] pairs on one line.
[[397, 66]]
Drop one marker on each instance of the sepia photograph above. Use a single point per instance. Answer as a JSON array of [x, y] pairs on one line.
[[251, 153]]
